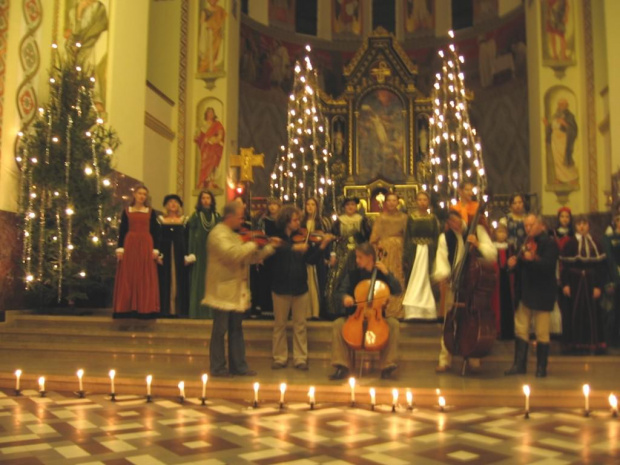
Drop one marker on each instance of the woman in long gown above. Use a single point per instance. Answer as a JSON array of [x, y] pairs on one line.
[[422, 234], [317, 274], [136, 290], [201, 223], [174, 272], [350, 229], [388, 236], [560, 319]]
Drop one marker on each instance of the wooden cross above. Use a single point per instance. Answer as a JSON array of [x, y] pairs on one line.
[[246, 161], [381, 72]]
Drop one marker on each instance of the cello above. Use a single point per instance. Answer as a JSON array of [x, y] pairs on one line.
[[366, 329], [469, 328]]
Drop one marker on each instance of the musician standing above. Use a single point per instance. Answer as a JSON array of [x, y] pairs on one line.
[[450, 254], [536, 292], [365, 259]]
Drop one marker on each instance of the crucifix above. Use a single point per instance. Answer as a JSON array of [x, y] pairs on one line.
[[381, 72], [247, 160]]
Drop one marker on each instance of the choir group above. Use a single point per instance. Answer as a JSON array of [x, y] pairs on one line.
[[171, 265]]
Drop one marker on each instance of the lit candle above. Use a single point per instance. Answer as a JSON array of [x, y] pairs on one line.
[[352, 384], [613, 402], [256, 386], [42, 384], [282, 391], [442, 403], [409, 399], [586, 395], [205, 378], [149, 380], [182, 390], [80, 373], [394, 397], [18, 374], [526, 391], [311, 396], [373, 397], [112, 375]]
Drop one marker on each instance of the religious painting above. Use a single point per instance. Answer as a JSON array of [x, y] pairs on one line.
[[558, 32], [86, 24], [211, 43], [346, 17], [338, 136], [485, 10], [381, 137], [209, 138], [419, 16], [561, 132], [282, 14]]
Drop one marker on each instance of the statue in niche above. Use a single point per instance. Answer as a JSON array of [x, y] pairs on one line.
[[211, 37], [560, 134], [210, 143], [558, 34]]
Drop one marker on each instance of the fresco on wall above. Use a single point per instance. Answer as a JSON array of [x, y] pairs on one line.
[[346, 17], [380, 133], [561, 133], [209, 139], [86, 23], [282, 14], [419, 16], [485, 10], [558, 32], [211, 27]]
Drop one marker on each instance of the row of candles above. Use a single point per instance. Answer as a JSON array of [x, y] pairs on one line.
[[441, 401]]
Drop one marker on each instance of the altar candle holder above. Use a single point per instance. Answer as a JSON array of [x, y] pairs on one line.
[[149, 380], [203, 399], [42, 386], [352, 385], [18, 374], [586, 395], [256, 386], [526, 392], [112, 374], [80, 375], [282, 391]]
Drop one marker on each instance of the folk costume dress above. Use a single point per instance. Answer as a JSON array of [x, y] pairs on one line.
[[349, 231], [583, 269], [200, 225], [388, 235], [560, 317], [174, 274], [422, 234], [317, 274], [136, 289]]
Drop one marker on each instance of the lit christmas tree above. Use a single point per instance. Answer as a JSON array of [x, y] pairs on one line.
[[455, 152], [69, 229], [303, 170]]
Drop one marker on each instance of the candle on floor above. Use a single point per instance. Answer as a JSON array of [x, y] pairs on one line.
[[256, 386], [352, 384], [613, 403], [112, 375], [526, 392], [205, 378], [182, 389], [586, 395], [80, 374], [18, 374], [442, 403], [311, 396], [394, 399], [42, 384], [282, 391], [409, 396], [373, 398], [149, 380]]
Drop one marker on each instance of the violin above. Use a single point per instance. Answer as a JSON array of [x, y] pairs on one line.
[[302, 236], [366, 329], [259, 237], [529, 245]]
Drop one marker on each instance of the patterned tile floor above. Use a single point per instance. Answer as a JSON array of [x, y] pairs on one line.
[[62, 429]]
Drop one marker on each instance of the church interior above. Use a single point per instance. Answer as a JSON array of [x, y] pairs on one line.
[[292, 102]]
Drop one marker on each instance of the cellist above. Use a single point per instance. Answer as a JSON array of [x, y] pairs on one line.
[[365, 260], [450, 252]]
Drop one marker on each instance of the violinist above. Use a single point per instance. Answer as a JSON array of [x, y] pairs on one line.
[[536, 293], [365, 259], [450, 253], [289, 288]]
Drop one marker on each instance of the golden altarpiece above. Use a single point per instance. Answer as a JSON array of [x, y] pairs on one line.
[[379, 125]]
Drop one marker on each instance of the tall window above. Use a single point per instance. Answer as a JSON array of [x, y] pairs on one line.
[[306, 17], [384, 14], [462, 14]]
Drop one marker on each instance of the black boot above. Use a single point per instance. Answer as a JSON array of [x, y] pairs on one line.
[[519, 366], [542, 355]]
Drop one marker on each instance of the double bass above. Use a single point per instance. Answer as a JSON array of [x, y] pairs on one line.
[[366, 329], [469, 329]]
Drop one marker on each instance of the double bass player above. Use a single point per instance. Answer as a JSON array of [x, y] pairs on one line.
[[365, 260]]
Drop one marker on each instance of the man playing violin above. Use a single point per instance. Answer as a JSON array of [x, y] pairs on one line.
[[365, 259], [536, 292], [228, 292]]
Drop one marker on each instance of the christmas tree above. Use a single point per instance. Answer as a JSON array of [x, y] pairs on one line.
[[303, 170], [454, 150], [66, 192]]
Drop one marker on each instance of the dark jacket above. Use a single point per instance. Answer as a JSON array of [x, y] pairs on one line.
[[538, 286], [353, 278]]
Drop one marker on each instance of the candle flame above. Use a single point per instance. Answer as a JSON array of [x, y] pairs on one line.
[[442, 401], [256, 386], [613, 401], [373, 393], [18, 373], [181, 385], [586, 389], [205, 378], [526, 390], [282, 388], [311, 391], [394, 395], [409, 397], [112, 373], [149, 379], [438, 391], [80, 373], [352, 383], [42, 383]]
